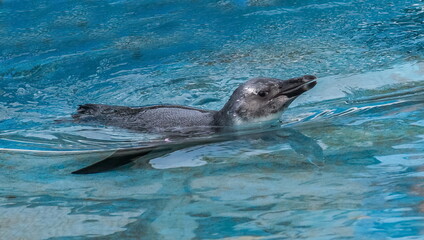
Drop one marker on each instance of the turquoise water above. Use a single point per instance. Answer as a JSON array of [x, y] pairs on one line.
[[346, 163]]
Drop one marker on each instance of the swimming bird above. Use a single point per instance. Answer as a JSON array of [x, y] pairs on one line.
[[257, 100]]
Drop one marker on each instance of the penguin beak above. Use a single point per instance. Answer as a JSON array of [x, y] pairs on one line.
[[294, 87]]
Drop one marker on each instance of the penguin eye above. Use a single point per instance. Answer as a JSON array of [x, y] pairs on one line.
[[262, 93]]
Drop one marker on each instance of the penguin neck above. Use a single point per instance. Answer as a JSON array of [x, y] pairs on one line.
[[227, 115], [223, 118]]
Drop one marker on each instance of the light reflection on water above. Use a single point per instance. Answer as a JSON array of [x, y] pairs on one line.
[[349, 165]]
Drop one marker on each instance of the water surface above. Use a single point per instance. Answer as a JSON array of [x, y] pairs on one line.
[[346, 162]]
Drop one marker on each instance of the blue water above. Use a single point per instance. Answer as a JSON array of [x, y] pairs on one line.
[[350, 167]]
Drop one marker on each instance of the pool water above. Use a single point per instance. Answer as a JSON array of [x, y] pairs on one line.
[[347, 161]]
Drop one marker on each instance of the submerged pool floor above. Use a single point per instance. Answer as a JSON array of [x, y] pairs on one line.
[[346, 163]]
